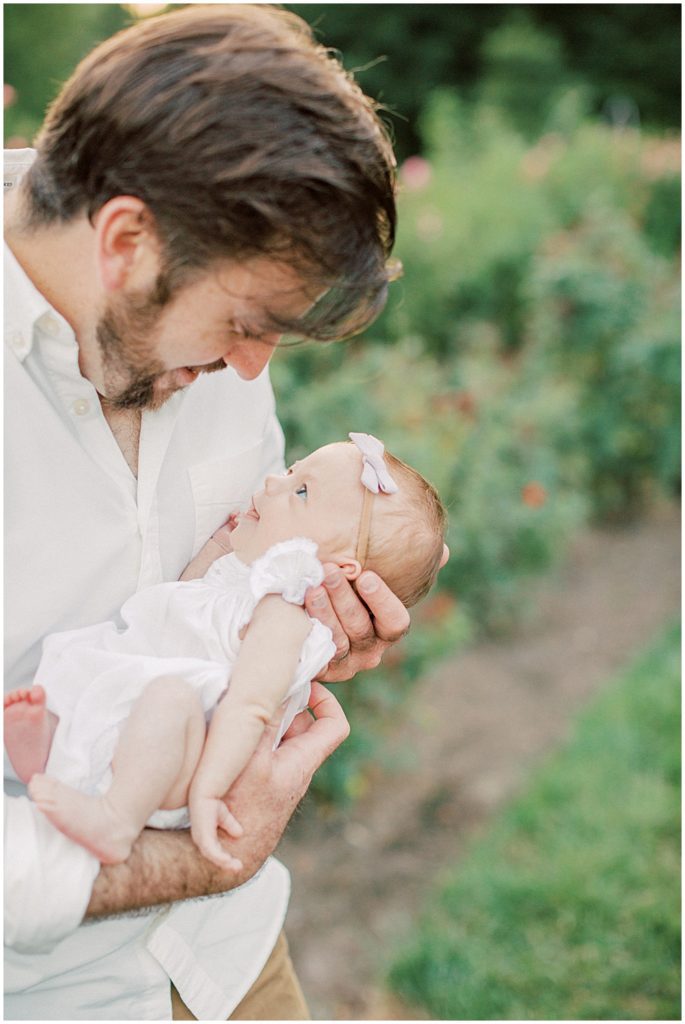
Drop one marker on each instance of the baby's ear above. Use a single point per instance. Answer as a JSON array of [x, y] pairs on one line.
[[351, 567]]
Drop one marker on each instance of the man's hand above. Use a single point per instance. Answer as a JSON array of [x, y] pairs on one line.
[[362, 629], [267, 792], [167, 866]]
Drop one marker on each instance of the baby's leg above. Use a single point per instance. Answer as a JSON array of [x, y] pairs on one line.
[[153, 765], [29, 728]]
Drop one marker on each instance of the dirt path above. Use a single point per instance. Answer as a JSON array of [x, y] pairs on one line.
[[475, 727]]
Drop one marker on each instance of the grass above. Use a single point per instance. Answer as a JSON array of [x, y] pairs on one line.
[[569, 907]]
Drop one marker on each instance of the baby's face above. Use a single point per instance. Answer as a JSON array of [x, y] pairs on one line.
[[319, 498]]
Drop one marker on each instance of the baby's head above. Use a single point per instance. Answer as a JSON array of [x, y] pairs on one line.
[[399, 535], [406, 533]]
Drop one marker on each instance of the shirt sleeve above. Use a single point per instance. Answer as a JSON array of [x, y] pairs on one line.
[[48, 879]]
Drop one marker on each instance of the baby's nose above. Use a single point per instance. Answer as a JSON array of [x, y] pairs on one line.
[[273, 483]]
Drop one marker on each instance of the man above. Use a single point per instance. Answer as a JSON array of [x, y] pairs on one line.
[[205, 181]]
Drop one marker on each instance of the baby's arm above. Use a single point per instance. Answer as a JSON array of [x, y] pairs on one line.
[[260, 681]]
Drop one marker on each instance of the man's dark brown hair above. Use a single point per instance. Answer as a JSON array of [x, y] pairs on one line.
[[244, 138]]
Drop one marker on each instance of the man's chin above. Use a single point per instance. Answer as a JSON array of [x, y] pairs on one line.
[[147, 397], [152, 393]]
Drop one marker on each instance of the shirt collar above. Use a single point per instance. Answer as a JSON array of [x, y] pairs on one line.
[[24, 307]]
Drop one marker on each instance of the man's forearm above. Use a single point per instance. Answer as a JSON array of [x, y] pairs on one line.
[[167, 866]]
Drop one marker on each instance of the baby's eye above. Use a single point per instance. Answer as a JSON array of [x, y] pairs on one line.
[[301, 492]]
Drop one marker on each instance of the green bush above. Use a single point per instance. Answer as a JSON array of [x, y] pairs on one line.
[[467, 237], [663, 216], [524, 73], [606, 308]]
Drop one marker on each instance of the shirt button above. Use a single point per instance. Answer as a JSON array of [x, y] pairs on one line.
[[50, 324], [17, 342], [81, 406]]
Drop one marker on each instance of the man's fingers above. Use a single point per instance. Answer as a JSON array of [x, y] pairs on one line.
[[300, 724], [328, 730], [391, 618], [318, 605], [351, 612], [329, 719], [228, 822]]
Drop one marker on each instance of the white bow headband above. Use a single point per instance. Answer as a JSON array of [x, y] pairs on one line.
[[375, 477]]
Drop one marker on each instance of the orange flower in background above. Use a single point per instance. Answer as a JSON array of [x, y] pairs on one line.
[[438, 607], [466, 403], [533, 494]]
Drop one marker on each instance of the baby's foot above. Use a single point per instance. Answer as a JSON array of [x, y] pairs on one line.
[[28, 731], [88, 820]]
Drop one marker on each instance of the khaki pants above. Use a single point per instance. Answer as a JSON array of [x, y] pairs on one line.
[[275, 995]]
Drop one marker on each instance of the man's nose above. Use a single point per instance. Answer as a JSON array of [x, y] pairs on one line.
[[249, 357]]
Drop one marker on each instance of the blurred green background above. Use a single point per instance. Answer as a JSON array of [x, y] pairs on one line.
[[528, 362]]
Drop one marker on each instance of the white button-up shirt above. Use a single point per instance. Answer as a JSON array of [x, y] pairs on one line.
[[81, 535]]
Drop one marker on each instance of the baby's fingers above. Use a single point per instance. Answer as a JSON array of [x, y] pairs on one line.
[[209, 846], [213, 851], [228, 822]]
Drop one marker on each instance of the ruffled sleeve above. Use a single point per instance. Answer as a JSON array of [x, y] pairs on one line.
[[288, 568]]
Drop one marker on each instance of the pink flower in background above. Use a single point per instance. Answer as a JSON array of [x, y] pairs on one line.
[[415, 173], [9, 95]]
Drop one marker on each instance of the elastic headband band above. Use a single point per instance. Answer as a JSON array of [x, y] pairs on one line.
[[375, 477], [364, 528]]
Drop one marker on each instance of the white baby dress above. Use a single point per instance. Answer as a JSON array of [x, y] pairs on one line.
[[92, 676]]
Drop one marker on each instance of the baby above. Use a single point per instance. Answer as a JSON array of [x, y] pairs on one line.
[[140, 726]]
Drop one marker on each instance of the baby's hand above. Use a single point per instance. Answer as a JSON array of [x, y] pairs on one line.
[[218, 544], [207, 815]]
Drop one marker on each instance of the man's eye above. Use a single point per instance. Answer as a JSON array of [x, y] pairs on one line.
[[301, 491]]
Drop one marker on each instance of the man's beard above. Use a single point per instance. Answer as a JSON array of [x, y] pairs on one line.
[[131, 376]]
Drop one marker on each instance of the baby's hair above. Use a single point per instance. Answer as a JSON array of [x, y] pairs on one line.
[[407, 536]]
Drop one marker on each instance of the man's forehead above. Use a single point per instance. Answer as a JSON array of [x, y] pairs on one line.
[[269, 283]]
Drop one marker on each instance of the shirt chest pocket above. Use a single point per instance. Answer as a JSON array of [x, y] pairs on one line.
[[223, 486]]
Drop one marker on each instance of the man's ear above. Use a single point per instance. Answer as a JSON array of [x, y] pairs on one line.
[[351, 567], [127, 246]]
